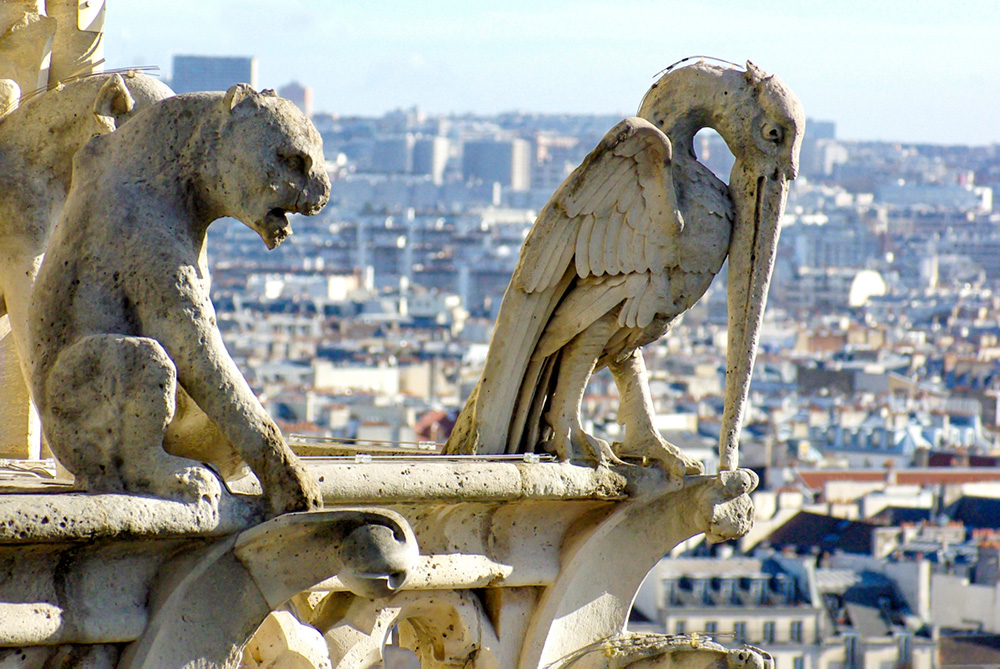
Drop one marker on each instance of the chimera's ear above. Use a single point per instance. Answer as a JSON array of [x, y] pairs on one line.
[[237, 94], [753, 74], [112, 103]]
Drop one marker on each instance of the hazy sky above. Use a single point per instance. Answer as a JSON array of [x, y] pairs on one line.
[[910, 70]]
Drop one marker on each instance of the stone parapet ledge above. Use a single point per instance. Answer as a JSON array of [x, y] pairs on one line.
[[144, 582], [485, 521], [522, 561], [396, 479], [64, 515], [59, 517]]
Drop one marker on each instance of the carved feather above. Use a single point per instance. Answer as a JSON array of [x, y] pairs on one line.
[[627, 172]]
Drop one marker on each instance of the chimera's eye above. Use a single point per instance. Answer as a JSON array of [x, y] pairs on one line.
[[772, 133], [296, 162]]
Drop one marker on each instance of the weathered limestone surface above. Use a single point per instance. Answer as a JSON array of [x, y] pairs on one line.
[[628, 243], [41, 45], [206, 600], [170, 584], [19, 425], [37, 143], [78, 41], [25, 44], [654, 651], [126, 356], [520, 572], [45, 42]]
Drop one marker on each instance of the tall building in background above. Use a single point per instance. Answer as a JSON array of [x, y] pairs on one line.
[[821, 152], [393, 154], [430, 156], [212, 73], [503, 161], [301, 95]]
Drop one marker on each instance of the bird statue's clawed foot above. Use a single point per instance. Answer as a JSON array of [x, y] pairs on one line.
[[575, 445], [650, 445]]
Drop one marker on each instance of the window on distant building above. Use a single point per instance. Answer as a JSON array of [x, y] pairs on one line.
[[757, 591], [680, 627], [798, 662], [740, 631], [795, 632], [850, 651], [769, 629], [711, 627]]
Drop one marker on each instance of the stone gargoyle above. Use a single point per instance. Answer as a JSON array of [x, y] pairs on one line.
[[628, 243], [37, 141], [129, 369]]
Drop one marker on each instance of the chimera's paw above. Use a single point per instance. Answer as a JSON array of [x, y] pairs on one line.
[[299, 492], [200, 482], [191, 484]]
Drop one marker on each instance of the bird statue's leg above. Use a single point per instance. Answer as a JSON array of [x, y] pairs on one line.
[[569, 440], [635, 412]]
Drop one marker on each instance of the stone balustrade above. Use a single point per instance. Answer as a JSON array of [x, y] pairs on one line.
[[521, 562]]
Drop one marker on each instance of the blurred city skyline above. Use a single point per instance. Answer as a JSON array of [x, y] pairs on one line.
[[893, 70]]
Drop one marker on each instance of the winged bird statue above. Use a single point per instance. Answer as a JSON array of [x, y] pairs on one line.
[[629, 242]]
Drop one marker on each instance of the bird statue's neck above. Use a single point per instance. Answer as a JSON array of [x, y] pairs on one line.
[[695, 97]]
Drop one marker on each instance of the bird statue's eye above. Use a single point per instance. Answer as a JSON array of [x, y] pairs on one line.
[[772, 133]]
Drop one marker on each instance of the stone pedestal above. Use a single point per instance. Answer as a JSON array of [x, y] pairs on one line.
[[128, 581], [521, 564]]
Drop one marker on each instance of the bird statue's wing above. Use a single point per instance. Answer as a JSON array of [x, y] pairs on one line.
[[616, 214]]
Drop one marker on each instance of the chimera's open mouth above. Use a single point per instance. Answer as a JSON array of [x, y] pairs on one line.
[[276, 227]]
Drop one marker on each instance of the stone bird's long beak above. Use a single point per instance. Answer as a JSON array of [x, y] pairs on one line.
[[759, 195]]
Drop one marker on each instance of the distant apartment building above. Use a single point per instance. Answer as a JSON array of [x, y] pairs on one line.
[[212, 73], [556, 157], [835, 243], [963, 197], [817, 288], [821, 152], [547, 175], [393, 154], [430, 157], [503, 161], [806, 618], [301, 95]]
